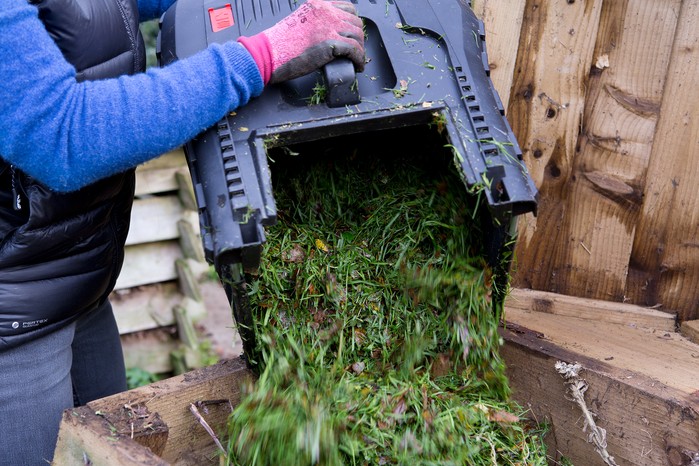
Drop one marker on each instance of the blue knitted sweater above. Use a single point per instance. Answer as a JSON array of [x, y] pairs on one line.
[[68, 134]]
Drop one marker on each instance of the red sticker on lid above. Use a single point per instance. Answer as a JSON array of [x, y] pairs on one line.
[[221, 18]]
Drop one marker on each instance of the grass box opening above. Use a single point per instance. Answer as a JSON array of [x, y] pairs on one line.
[[377, 336]]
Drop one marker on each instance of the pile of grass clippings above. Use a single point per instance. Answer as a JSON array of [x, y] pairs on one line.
[[377, 338]]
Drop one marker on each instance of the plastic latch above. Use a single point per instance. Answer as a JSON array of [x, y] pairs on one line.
[[341, 83]]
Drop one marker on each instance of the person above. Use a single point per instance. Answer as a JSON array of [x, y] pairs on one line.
[[77, 114]]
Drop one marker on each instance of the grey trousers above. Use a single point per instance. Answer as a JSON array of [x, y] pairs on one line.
[[38, 380]]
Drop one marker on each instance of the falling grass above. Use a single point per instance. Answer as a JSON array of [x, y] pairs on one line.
[[378, 339]]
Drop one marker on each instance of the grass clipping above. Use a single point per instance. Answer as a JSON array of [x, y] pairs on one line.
[[377, 338]]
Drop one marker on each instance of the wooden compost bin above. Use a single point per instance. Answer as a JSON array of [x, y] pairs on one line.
[[603, 98], [155, 424]]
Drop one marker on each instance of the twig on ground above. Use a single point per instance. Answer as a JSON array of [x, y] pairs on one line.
[[209, 430], [577, 388], [693, 457]]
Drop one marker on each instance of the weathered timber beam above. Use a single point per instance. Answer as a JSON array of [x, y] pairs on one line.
[[95, 432], [647, 422], [593, 309]]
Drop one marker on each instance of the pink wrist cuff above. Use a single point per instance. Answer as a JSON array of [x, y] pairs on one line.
[[261, 51]]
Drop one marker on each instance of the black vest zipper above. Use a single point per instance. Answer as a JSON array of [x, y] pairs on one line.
[[16, 188]]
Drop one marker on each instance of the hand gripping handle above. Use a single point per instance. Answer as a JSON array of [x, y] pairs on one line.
[[341, 82]]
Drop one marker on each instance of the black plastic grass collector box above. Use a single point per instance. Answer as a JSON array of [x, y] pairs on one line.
[[426, 63]]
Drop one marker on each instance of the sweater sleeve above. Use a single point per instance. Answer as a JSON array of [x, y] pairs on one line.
[[68, 134], [149, 9]]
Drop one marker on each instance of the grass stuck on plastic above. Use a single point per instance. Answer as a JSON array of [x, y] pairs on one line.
[[377, 335]]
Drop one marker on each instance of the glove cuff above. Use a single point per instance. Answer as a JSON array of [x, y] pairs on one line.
[[261, 51]]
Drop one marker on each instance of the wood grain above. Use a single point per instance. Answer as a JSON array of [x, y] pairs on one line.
[[170, 398], [86, 438], [149, 263], [648, 423], [144, 308], [590, 309], [158, 175], [666, 357], [553, 62], [503, 23], [151, 350], [603, 196], [665, 254], [690, 330], [155, 219], [85, 433]]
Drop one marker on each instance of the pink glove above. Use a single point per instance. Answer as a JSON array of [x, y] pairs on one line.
[[310, 37]]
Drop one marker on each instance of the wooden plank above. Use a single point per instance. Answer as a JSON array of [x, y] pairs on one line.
[[602, 198], [150, 350], [174, 158], [186, 190], [158, 175], [643, 386], [666, 357], [553, 63], [189, 284], [155, 181], [503, 22], [690, 330], [146, 307], [647, 422], [591, 309], [155, 219], [149, 263], [88, 439], [190, 240], [85, 435], [188, 443], [665, 255], [218, 326]]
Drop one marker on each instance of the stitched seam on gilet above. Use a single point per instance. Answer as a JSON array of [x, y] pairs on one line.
[[130, 33]]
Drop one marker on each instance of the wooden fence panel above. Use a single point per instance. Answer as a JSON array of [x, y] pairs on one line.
[[545, 111], [602, 198], [665, 256], [503, 25], [603, 102]]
